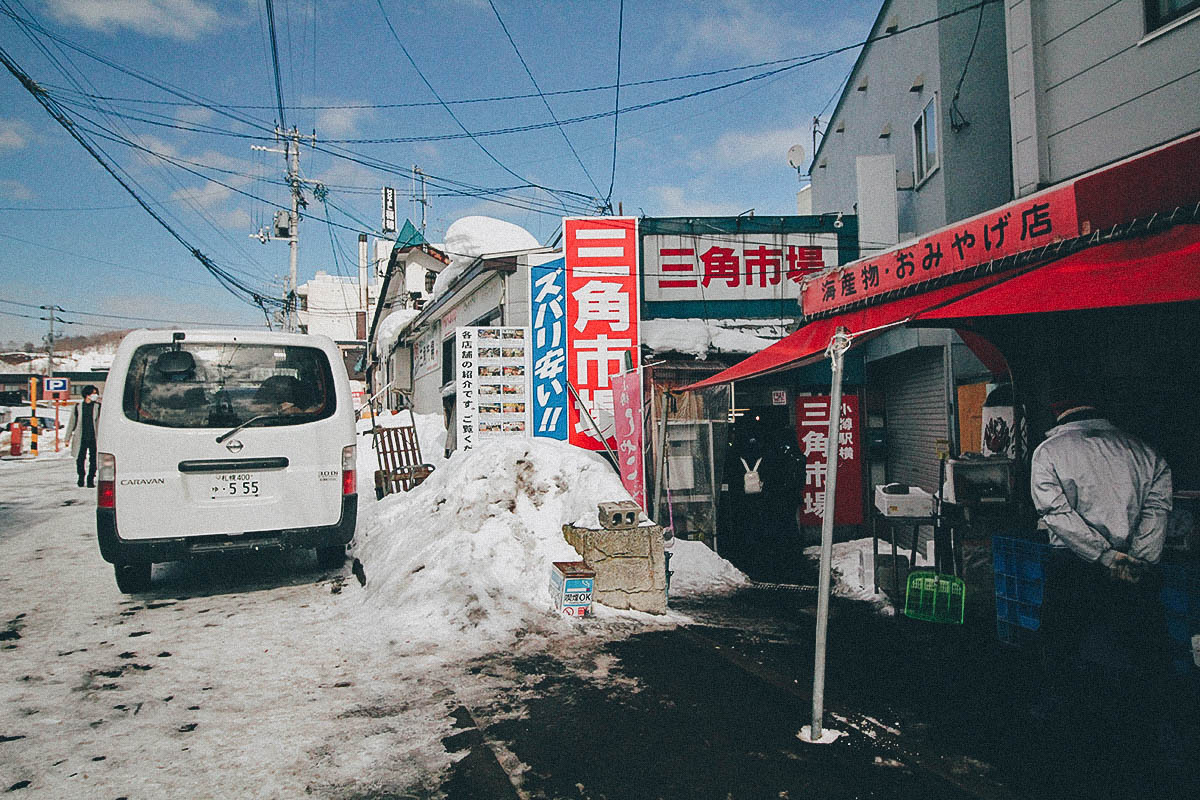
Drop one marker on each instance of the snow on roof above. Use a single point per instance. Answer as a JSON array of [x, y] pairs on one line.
[[471, 237], [389, 329], [699, 337]]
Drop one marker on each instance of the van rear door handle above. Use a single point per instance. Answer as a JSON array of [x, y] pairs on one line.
[[232, 464]]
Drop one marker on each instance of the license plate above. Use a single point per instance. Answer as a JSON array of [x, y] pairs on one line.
[[236, 484]]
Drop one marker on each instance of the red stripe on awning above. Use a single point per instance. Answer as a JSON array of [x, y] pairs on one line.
[[1163, 268], [808, 343]]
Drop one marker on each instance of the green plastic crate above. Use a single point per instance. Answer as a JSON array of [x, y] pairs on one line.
[[935, 598]]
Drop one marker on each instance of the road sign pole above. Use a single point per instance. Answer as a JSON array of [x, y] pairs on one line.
[[33, 417], [57, 404]]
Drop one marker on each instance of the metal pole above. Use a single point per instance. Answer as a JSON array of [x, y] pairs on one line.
[[660, 472], [836, 352], [293, 228], [599, 433], [33, 417]]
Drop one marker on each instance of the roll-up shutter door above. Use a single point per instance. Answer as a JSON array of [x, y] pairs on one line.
[[915, 404]]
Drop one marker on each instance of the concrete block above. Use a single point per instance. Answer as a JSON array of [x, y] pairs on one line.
[[630, 565]]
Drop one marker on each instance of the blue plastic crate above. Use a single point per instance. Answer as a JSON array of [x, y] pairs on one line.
[[1029, 616], [1006, 586], [1005, 610], [1030, 591], [1020, 578]]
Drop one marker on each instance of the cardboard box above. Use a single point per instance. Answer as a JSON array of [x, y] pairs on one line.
[[571, 587], [917, 503]]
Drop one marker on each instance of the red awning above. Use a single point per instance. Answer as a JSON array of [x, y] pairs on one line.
[[1163, 268], [808, 344]]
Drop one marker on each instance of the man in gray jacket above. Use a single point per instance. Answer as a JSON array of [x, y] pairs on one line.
[[81, 430], [1104, 497]]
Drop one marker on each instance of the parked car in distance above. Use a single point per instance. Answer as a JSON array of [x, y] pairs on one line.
[[45, 423]]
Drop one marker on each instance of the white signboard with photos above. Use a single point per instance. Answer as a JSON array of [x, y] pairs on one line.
[[492, 383]]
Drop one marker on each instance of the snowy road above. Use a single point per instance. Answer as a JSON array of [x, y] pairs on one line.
[[235, 676]]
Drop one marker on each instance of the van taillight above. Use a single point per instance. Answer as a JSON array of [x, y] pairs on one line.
[[348, 482], [106, 484]]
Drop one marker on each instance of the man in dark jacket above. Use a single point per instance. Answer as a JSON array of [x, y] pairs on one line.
[[81, 430]]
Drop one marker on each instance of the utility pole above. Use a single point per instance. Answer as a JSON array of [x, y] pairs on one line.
[[291, 231], [50, 338], [423, 199]]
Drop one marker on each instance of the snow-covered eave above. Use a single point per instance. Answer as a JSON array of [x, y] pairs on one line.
[[482, 265]]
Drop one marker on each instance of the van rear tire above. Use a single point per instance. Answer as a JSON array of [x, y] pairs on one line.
[[331, 557], [133, 578]]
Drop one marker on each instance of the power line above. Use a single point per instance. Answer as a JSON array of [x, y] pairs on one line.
[[233, 284], [466, 132], [462, 101], [113, 264], [545, 102], [275, 64], [616, 105], [237, 117], [124, 316], [26, 24]]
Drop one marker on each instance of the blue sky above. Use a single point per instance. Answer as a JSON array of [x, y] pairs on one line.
[[70, 235]]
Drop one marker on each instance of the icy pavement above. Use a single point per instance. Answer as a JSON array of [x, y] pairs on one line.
[[259, 674]]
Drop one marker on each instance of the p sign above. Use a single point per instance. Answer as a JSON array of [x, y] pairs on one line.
[[56, 387]]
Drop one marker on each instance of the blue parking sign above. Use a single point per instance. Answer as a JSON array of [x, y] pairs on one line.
[[51, 385]]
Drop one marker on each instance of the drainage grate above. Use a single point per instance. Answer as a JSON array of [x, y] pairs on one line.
[[782, 587]]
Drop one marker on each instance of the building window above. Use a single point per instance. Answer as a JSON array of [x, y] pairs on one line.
[[925, 142], [1161, 12], [449, 359]]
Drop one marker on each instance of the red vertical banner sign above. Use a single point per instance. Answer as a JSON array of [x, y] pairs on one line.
[[601, 255], [812, 431], [627, 419]]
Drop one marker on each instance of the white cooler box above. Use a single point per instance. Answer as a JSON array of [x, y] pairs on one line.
[[917, 503]]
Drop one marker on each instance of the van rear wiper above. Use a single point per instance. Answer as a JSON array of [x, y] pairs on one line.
[[250, 422]]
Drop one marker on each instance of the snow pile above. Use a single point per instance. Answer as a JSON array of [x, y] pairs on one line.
[[99, 357], [389, 329], [853, 568], [699, 337], [465, 557], [471, 237], [698, 570]]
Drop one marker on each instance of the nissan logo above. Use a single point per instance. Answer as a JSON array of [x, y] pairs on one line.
[[233, 446]]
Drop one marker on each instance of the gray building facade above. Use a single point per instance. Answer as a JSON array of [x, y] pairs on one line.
[[1094, 81], [951, 155]]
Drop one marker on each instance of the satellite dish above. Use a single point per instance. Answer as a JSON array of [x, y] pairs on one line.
[[795, 156]]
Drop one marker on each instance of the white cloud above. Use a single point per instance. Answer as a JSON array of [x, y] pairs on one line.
[[740, 148], [757, 30], [749, 29], [175, 19], [196, 116], [208, 197], [14, 190], [678, 201], [14, 134], [339, 123]]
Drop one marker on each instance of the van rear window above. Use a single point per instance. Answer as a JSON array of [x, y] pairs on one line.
[[227, 384]]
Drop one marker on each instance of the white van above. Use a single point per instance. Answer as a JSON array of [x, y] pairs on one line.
[[223, 440]]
